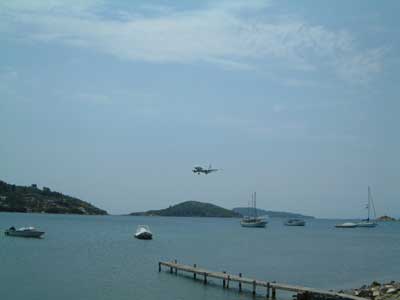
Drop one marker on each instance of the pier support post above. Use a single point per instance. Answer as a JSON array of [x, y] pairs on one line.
[[268, 288], [273, 293], [240, 283], [227, 283], [171, 270], [194, 273], [302, 296], [176, 269], [254, 287], [205, 278], [159, 267], [223, 280]]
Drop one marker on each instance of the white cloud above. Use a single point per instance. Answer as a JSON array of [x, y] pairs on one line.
[[219, 34]]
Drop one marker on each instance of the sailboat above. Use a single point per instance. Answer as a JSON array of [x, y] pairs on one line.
[[368, 222], [253, 220]]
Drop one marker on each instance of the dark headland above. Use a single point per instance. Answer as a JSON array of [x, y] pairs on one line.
[[386, 219], [191, 209], [14, 198]]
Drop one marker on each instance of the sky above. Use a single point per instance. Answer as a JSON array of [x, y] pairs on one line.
[[115, 101]]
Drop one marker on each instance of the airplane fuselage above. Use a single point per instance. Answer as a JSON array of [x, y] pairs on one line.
[[199, 170]]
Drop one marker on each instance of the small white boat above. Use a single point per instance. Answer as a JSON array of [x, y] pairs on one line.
[[143, 233], [24, 232], [346, 225], [295, 222]]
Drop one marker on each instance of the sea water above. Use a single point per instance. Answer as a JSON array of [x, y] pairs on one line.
[[97, 257]]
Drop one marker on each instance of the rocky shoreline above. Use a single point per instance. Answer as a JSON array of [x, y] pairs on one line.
[[378, 291]]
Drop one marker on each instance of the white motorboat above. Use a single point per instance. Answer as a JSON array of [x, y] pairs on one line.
[[24, 232], [143, 233], [346, 225], [368, 222], [295, 222], [253, 220]]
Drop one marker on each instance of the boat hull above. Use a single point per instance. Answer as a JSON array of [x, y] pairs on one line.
[[295, 223], [259, 224], [346, 225], [367, 224], [26, 234], [144, 236]]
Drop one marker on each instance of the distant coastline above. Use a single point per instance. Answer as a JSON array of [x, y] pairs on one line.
[[191, 209], [31, 199], [245, 211], [201, 209]]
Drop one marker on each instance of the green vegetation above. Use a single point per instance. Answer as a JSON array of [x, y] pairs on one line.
[[386, 219], [245, 211], [15, 198], [191, 209]]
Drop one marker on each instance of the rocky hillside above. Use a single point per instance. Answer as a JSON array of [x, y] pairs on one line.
[[191, 209], [378, 291], [14, 198], [386, 219]]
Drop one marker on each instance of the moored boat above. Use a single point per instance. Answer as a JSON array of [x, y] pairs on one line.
[[295, 222], [346, 225], [253, 220], [368, 223], [29, 232], [143, 233]]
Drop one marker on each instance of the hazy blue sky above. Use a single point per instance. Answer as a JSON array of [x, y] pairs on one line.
[[115, 101]]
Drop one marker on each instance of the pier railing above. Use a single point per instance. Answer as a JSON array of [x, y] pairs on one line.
[[303, 293]]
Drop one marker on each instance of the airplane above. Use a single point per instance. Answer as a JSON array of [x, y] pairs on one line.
[[206, 171]]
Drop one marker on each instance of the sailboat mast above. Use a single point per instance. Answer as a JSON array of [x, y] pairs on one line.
[[369, 201], [255, 204], [248, 205], [372, 202]]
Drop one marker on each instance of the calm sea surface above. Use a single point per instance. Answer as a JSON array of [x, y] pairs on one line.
[[85, 257]]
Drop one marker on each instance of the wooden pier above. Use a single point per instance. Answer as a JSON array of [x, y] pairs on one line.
[[303, 293]]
